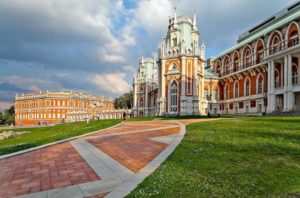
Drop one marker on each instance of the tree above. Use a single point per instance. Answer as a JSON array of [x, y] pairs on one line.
[[124, 101], [9, 116]]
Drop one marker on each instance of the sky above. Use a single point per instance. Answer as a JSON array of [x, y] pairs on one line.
[[94, 46]]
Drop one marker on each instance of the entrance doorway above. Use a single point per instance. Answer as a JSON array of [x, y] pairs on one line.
[[279, 102]]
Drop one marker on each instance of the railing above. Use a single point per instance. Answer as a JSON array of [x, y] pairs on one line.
[[241, 67], [284, 45]]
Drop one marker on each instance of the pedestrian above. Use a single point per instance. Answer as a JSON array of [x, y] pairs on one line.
[[124, 115]]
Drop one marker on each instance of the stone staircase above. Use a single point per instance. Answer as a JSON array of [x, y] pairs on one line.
[[281, 113]]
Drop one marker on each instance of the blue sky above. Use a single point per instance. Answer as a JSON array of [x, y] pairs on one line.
[[94, 45]]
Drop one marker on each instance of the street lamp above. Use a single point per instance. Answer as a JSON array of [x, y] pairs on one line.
[[209, 99]]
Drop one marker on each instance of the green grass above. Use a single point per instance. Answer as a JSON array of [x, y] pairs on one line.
[[241, 157], [40, 136]]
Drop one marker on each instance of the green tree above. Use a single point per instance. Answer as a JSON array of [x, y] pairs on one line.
[[124, 101], [9, 116]]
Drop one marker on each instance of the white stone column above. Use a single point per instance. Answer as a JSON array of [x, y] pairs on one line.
[[195, 76], [183, 101], [195, 94], [271, 87], [285, 94], [162, 107], [290, 94]]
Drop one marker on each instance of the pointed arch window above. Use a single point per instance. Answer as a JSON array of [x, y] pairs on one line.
[[173, 92], [226, 92], [141, 102], [174, 66], [260, 85], [236, 90], [247, 88]]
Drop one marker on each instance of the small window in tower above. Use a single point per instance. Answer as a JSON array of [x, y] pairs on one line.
[[175, 42], [174, 67]]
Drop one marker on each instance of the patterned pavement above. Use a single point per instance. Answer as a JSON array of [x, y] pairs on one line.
[[108, 163]]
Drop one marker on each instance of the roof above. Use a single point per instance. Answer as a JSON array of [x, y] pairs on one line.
[[268, 26]]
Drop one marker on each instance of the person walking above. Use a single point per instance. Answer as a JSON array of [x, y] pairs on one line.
[[124, 115]]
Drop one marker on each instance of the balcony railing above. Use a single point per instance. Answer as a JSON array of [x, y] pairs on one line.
[[284, 45], [241, 67]]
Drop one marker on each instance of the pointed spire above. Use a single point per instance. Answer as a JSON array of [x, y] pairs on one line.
[[175, 19], [194, 22]]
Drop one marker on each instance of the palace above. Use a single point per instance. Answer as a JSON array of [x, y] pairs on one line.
[[62, 106], [260, 74]]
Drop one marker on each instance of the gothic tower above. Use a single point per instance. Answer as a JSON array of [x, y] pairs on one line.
[[181, 66]]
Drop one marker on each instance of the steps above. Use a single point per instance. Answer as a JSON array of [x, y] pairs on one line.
[[289, 113]]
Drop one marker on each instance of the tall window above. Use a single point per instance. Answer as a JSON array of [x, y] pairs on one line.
[[247, 88], [295, 74], [260, 85], [173, 97], [236, 90], [141, 102], [226, 92]]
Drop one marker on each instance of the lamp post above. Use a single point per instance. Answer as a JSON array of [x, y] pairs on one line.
[[209, 99]]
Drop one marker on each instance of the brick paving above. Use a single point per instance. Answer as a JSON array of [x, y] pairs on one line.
[[44, 169], [134, 151], [61, 165]]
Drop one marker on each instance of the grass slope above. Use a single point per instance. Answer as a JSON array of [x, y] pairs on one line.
[[40, 136], [242, 157]]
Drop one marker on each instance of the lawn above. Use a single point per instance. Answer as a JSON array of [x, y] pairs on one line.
[[241, 157], [40, 136]]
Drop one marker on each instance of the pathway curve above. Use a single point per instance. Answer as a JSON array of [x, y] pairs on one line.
[[108, 163]]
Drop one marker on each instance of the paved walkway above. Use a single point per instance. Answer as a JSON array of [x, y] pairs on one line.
[[108, 163]]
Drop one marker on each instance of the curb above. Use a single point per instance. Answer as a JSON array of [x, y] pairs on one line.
[[53, 143]]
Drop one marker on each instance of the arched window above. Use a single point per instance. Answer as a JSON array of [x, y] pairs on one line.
[[260, 82], [236, 90], [259, 51], [174, 66], [295, 74], [247, 57], [247, 87], [215, 93], [173, 92], [226, 92], [293, 35], [235, 61], [227, 66], [141, 102], [275, 43], [175, 42]]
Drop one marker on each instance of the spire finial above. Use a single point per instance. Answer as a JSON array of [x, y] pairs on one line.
[[194, 21], [175, 19]]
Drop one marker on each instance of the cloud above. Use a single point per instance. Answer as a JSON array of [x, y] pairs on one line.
[[153, 15], [5, 105], [94, 45], [113, 83]]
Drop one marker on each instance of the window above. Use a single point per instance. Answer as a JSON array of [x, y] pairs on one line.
[[205, 93], [215, 110], [236, 110], [247, 88], [174, 66], [226, 92], [141, 102], [260, 86], [259, 109], [173, 97], [247, 109], [236, 90], [175, 42], [215, 94]]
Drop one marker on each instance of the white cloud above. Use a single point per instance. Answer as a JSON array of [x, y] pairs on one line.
[[30, 82], [34, 88], [113, 83], [153, 15]]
